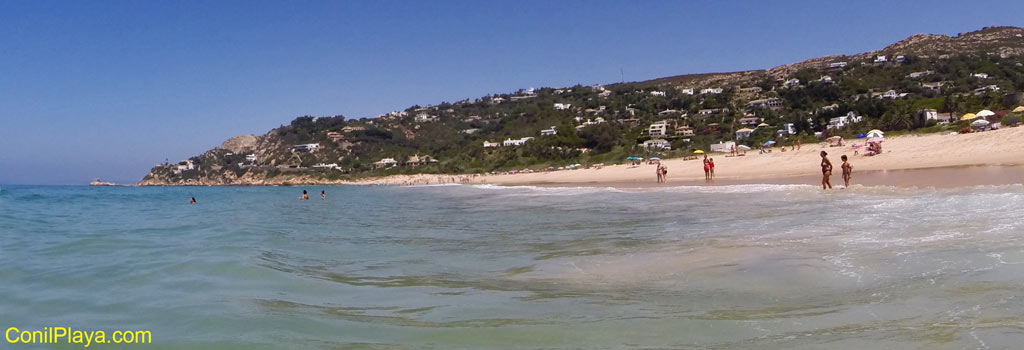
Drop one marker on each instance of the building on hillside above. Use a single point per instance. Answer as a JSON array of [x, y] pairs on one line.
[[750, 121], [687, 91], [936, 86], [881, 59], [184, 165], [684, 130], [657, 144], [901, 59], [661, 128], [518, 142], [549, 132], [773, 103], [425, 118], [470, 131], [327, 166], [563, 106], [710, 111], [723, 146], [417, 160], [658, 93], [920, 74], [334, 136], [751, 90], [825, 79], [743, 133], [348, 129], [979, 75], [497, 99], [488, 144], [945, 118], [984, 89], [830, 107], [711, 91], [791, 83], [891, 94], [308, 147], [836, 65], [713, 127], [251, 158], [385, 163]]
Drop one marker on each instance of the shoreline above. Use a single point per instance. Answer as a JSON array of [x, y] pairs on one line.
[[929, 160]]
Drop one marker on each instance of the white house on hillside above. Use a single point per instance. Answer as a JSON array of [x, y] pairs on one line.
[[711, 91], [723, 147], [658, 93], [657, 144], [549, 132], [687, 91], [743, 133], [519, 142], [562, 106]]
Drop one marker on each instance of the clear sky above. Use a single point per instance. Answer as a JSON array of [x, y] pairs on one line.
[[109, 88]]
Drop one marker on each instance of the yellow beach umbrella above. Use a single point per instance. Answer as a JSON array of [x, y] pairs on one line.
[[968, 116], [698, 152], [1018, 109]]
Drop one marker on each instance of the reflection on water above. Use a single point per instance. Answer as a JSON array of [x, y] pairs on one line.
[[470, 267]]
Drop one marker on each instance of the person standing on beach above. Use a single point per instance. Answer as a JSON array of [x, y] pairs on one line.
[[663, 172], [711, 166], [305, 196], [826, 171], [797, 144], [323, 194], [657, 172], [707, 169], [847, 171]]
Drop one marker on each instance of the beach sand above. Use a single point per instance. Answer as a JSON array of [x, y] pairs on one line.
[[934, 160]]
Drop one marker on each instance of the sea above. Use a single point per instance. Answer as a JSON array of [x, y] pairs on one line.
[[487, 267]]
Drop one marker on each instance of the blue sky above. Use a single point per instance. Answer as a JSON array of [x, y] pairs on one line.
[[109, 88]]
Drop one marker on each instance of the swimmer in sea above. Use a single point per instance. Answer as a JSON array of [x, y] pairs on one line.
[[305, 196], [323, 194], [193, 201], [826, 171], [847, 171]]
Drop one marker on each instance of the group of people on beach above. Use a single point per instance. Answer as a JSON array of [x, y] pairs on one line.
[[826, 171]]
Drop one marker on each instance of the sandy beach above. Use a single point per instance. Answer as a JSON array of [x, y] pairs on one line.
[[991, 157]]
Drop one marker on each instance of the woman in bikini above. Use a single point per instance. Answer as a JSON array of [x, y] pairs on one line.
[[826, 171]]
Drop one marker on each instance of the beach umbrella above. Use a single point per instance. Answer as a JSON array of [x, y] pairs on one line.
[[968, 116], [1019, 109], [655, 158], [698, 152], [875, 133], [769, 143], [876, 140], [985, 113], [979, 123], [743, 147]]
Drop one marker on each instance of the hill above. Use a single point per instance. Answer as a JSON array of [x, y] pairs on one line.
[[910, 85]]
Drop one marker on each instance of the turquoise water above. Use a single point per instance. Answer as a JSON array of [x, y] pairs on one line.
[[483, 267]]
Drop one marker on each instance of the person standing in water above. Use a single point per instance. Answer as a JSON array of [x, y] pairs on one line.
[[847, 171], [826, 171], [305, 196], [323, 194]]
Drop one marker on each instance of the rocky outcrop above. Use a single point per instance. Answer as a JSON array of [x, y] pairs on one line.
[[97, 182], [240, 143]]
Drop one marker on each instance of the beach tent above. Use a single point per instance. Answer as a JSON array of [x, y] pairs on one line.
[[985, 113], [862, 135], [968, 116], [979, 123], [743, 147], [769, 143], [875, 133], [698, 152]]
